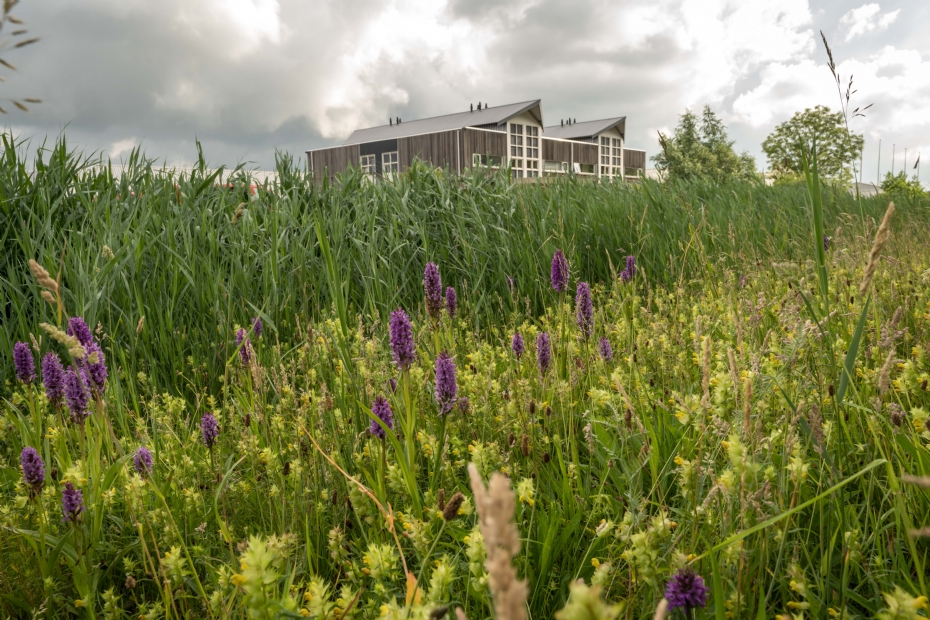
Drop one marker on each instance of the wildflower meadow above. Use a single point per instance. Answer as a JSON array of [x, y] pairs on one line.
[[438, 397]]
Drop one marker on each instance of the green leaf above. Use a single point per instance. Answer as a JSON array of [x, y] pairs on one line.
[[852, 352]]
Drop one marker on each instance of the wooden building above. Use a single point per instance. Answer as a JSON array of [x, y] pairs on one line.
[[509, 135]]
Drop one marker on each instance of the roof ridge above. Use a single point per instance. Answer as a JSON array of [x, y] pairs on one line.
[[593, 120], [426, 118]]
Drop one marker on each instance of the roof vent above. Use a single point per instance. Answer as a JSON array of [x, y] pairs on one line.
[[471, 107], [479, 106], [390, 121], [563, 122]]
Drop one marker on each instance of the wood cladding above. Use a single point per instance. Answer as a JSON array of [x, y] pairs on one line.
[[483, 143], [634, 159], [333, 161], [585, 153], [438, 149], [556, 150]]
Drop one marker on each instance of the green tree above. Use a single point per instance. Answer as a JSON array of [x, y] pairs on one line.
[[898, 185], [700, 148], [837, 149]]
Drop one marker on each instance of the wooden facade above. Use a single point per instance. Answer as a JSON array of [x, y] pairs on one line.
[[333, 161], [633, 158], [482, 142], [585, 153], [557, 150], [442, 149]]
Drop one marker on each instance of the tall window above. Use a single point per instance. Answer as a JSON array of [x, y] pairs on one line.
[[616, 159], [389, 163], [524, 150], [368, 164]]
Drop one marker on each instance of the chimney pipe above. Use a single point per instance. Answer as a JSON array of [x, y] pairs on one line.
[[479, 106], [471, 107], [390, 121], [563, 122]]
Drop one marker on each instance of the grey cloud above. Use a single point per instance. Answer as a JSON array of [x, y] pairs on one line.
[[113, 71]]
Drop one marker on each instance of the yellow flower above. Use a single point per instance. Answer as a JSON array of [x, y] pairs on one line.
[[238, 579], [595, 563]]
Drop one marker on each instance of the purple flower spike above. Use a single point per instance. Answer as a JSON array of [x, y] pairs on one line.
[[244, 345], [543, 352], [452, 302], [76, 394], [584, 310], [393, 385], [142, 461], [464, 405], [686, 589], [33, 469], [78, 328], [53, 378], [72, 502], [559, 272], [24, 363], [432, 286], [402, 340], [257, 326], [630, 272], [96, 370], [517, 345], [447, 388], [826, 243], [209, 429], [381, 408], [605, 350], [510, 283]]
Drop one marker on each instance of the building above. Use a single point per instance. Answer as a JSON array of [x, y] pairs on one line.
[[509, 135]]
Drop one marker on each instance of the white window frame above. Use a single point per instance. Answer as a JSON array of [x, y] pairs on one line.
[[388, 167], [367, 164]]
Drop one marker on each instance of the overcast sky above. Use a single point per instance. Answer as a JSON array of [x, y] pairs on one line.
[[248, 77]]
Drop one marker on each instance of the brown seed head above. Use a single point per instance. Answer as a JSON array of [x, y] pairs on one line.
[[451, 509], [881, 237]]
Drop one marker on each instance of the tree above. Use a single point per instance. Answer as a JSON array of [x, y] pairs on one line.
[[702, 149], [837, 149], [898, 185]]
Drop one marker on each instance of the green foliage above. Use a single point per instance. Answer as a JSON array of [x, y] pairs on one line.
[[701, 149], [897, 186], [837, 149], [713, 437], [196, 258]]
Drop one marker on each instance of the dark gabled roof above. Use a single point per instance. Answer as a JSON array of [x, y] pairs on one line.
[[583, 130], [495, 116]]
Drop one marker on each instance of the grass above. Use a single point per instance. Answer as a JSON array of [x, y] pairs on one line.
[[756, 420]]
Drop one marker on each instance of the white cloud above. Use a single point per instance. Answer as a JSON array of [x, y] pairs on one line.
[[895, 81], [120, 147], [249, 76], [866, 19]]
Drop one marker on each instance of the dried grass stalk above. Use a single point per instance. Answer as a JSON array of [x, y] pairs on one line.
[[496, 506], [884, 376], [922, 482], [661, 610], [881, 237]]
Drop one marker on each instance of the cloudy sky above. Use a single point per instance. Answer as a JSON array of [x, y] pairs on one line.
[[248, 77]]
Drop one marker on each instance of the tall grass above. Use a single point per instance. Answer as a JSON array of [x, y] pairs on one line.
[[195, 257], [762, 420]]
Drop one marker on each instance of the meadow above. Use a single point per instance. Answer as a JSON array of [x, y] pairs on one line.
[[443, 396]]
